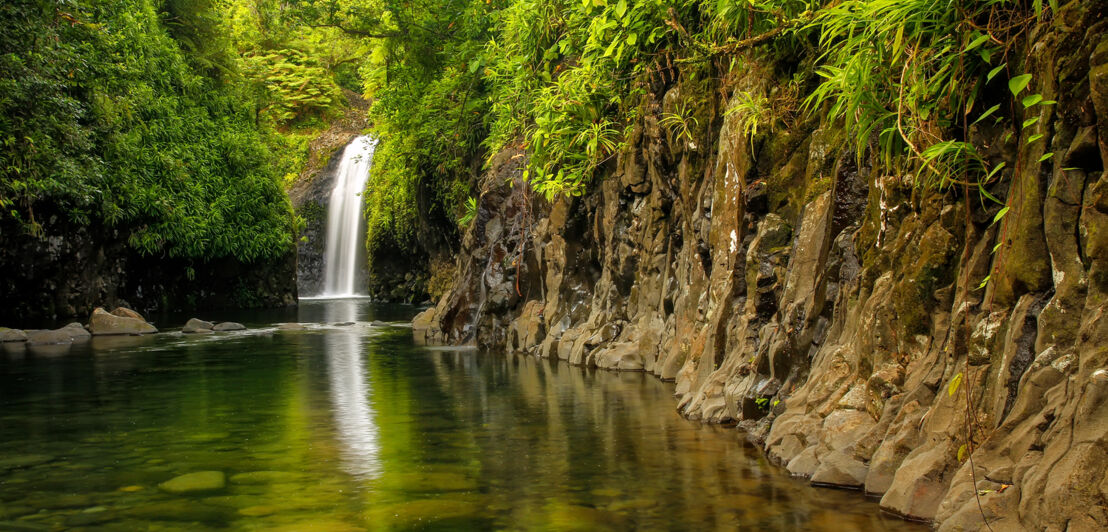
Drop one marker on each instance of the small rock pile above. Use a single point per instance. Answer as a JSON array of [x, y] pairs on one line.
[[121, 321]]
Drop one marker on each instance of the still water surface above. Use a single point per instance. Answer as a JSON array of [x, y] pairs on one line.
[[337, 428]]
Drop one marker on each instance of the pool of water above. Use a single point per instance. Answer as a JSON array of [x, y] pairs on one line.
[[352, 427]]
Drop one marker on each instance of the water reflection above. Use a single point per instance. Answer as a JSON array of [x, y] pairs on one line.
[[350, 390], [354, 428]]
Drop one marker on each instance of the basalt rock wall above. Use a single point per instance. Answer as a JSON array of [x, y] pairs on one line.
[[833, 312]]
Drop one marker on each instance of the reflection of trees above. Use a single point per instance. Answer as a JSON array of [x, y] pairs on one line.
[[612, 442]]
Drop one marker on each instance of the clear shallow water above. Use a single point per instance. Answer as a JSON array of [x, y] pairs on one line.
[[353, 428]]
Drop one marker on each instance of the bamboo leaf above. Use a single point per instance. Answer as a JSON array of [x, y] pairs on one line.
[[986, 114], [975, 43], [1032, 100], [1000, 214], [1045, 157], [992, 73]]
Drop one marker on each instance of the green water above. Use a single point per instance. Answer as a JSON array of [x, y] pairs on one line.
[[339, 428]]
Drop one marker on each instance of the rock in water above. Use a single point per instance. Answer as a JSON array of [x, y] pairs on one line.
[[60, 336], [77, 332], [197, 326], [103, 323], [12, 335], [229, 326], [124, 312], [290, 326], [199, 482]]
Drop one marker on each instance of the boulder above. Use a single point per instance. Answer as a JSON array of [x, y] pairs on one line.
[[77, 332], [124, 312], [195, 325], [198, 482], [229, 326], [104, 323], [44, 337], [12, 335]]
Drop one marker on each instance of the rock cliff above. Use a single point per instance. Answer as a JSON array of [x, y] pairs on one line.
[[71, 268], [833, 312]]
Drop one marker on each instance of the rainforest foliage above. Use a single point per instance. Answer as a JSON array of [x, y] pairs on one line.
[[171, 120], [179, 119], [456, 81]]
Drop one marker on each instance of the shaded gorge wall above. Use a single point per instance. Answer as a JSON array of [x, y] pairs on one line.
[[830, 310]]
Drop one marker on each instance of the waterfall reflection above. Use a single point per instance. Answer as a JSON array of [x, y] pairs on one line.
[[354, 418]]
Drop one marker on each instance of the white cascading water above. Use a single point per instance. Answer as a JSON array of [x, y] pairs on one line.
[[344, 219]]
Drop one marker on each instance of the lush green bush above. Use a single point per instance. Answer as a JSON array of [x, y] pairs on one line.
[[104, 114]]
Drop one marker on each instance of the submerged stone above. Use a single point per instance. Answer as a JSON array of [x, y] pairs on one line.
[[421, 512], [199, 482], [182, 510], [265, 477]]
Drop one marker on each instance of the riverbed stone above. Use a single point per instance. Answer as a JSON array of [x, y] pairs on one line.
[[266, 477], [228, 326], [198, 482], [104, 323], [12, 335], [180, 510], [195, 325]]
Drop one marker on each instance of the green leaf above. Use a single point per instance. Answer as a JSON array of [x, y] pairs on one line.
[[962, 453], [995, 71], [986, 114], [975, 43], [1018, 83], [1032, 100], [1045, 157], [1029, 122], [984, 282], [898, 41], [1033, 138], [621, 8], [1000, 214], [995, 170], [954, 383]]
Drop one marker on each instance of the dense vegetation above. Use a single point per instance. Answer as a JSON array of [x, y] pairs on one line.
[[455, 81], [180, 118], [173, 120]]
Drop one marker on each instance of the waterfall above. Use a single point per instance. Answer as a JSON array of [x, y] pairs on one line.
[[345, 230]]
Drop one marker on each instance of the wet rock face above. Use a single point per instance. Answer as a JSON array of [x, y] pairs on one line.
[[73, 268], [831, 311]]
